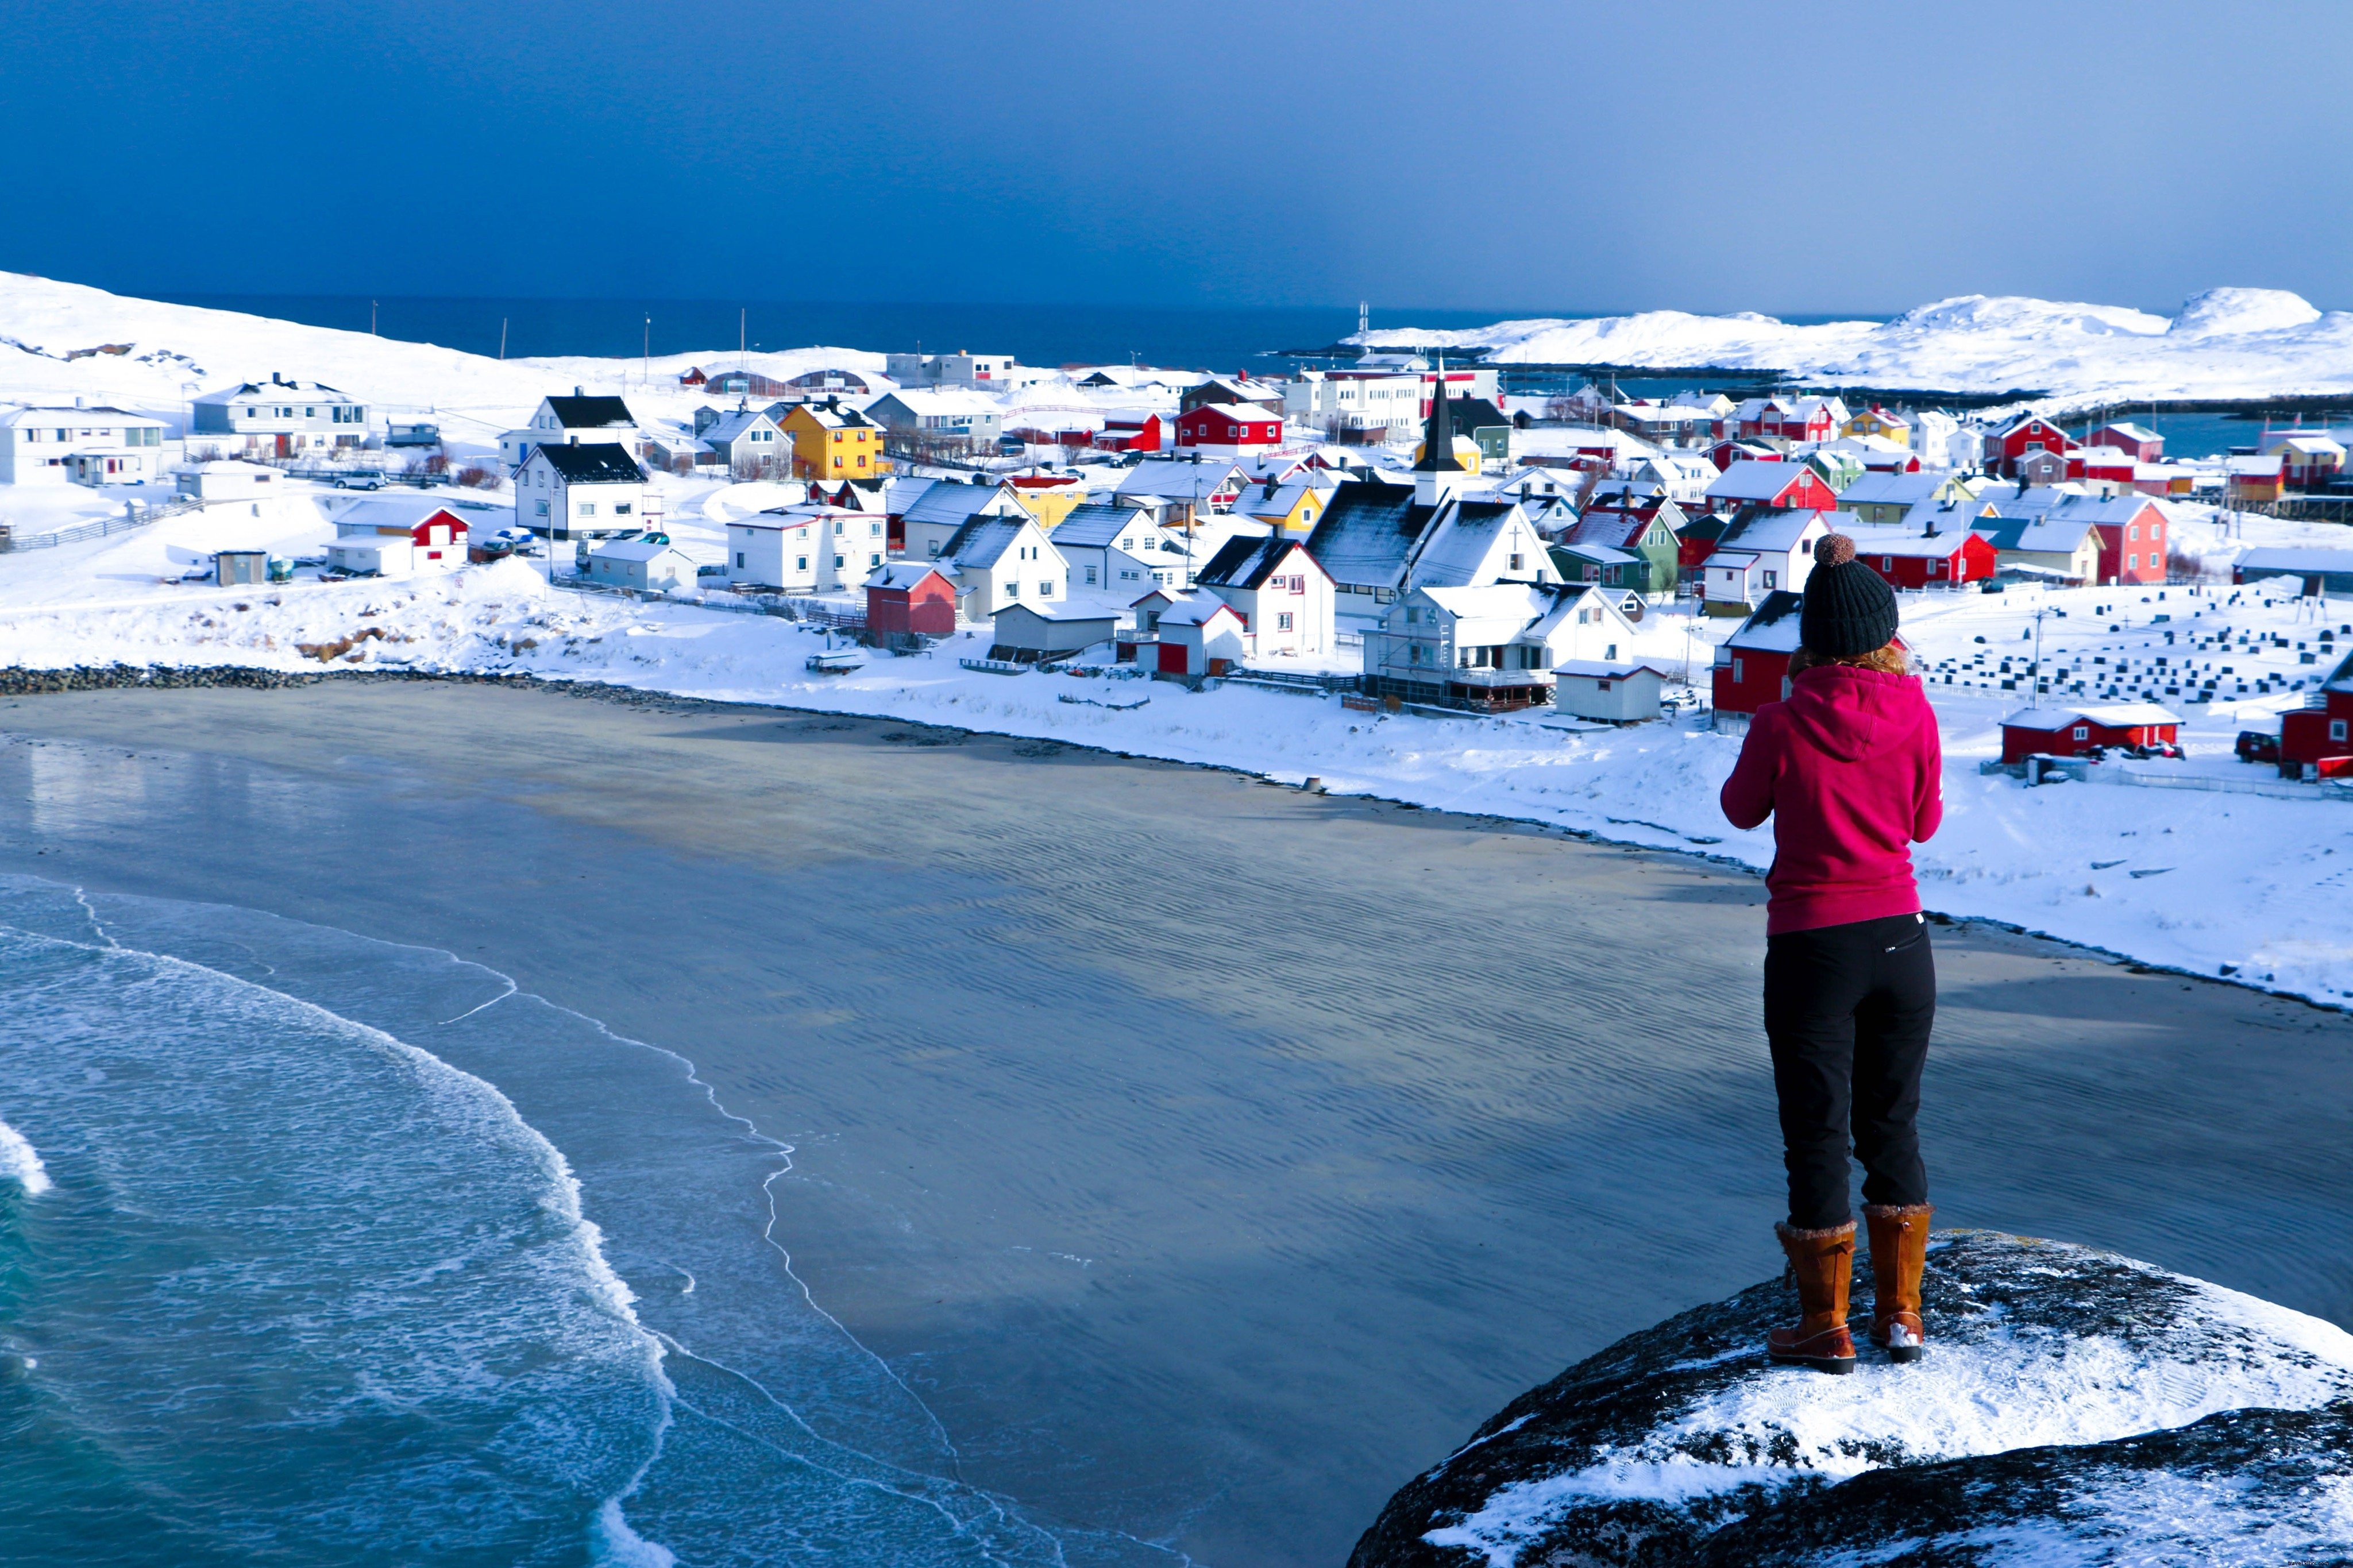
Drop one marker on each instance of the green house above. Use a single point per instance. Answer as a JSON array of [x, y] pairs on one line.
[[1623, 550]]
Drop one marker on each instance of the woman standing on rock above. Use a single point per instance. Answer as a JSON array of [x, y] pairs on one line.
[[1849, 768]]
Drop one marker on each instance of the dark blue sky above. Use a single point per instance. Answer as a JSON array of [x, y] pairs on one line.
[[1507, 155]]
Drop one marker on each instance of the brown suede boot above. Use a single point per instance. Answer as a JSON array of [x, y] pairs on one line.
[[1899, 1251], [1823, 1262]]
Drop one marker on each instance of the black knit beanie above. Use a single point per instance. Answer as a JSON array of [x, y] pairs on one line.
[[1849, 609]]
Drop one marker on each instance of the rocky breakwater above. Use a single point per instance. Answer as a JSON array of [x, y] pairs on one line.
[[2075, 1408]]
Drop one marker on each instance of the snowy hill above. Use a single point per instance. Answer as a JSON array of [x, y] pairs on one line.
[[2224, 343], [171, 352], [2069, 1396]]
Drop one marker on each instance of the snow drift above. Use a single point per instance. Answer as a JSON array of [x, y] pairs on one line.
[[2067, 1394], [2223, 343]]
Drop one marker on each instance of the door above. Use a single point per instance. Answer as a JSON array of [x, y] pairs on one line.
[[285, 445], [1172, 658]]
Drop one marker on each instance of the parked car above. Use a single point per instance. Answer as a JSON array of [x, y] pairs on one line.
[[360, 479], [2254, 746]]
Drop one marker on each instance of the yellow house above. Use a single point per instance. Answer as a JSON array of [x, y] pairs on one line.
[[832, 441], [1050, 504], [1877, 421], [1291, 508]]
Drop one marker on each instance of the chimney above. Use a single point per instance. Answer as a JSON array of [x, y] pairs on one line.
[[575, 391], [77, 403]]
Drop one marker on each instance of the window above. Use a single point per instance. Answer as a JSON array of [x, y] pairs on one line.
[[1516, 562], [2132, 533], [1611, 652], [2132, 562], [874, 561], [621, 509], [800, 563], [587, 508], [1887, 564], [539, 508], [1091, 575], [2082, 732], [2336, 729], [739, 560], [1739, 670], [874, 531], [837, 562], [1012, 590], [1770, 578]]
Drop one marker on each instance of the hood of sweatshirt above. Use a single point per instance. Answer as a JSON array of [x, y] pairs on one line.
[[1856, 714]]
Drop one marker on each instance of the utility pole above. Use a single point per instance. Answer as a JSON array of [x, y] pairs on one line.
[[648, 371], [502, 337], [371, 317]]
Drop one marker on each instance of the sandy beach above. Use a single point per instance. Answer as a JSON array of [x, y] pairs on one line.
[[1209, 1156]]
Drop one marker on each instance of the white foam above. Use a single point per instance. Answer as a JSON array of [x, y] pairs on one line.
[[20, 1163]]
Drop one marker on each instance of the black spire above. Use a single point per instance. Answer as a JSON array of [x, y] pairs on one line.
[[1437, 435]]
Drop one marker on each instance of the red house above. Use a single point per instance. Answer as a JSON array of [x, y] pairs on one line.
[[2132, 535], [1782, 487], [904, 596], [2075, 731], [1723, 454], [2101, 463], [1789, 419], [2028, 433], [1752, 662], [1131, 433], [2137, 441], [2321, 733], [1935, 561], [1229, 430]]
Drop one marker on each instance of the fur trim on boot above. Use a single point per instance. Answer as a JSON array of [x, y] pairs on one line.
[[1822, 1263]]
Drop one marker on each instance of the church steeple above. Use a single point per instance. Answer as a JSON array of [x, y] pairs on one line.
[[1438, 433]]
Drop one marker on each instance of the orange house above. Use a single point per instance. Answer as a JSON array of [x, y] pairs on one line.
[[832, 441]]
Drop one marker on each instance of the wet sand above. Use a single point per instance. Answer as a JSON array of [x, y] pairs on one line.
[[1211, 1156]]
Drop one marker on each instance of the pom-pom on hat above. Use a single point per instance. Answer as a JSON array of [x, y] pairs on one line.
[[1850, 610]]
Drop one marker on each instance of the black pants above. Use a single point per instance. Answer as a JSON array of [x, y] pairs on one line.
[[1847, 1009]]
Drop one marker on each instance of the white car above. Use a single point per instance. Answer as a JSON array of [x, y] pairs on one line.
[[365, 479]]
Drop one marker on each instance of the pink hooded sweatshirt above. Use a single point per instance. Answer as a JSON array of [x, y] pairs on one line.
[[1851, 772]]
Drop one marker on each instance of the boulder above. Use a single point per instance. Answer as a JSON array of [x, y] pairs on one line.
[[2070, 1399]]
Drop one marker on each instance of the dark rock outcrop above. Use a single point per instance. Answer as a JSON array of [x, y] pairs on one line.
[[2069, 1396]]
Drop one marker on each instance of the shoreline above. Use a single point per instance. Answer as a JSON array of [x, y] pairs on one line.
[[20, 680]]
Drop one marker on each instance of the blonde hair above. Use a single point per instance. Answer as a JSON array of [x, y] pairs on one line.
[[1888, 661]]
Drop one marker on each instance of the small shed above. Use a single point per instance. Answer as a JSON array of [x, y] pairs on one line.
[[648, 565], [1201, 635], [1618, 694], [2316, 572], [373, 555], [226, 478], [910, 597], [233, 567], [2077, 732], [1027, 634]]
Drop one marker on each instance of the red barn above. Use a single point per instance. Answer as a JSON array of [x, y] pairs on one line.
[[1935, 561], [1782, 487], [1723, 454], [2075, 731], [1752, 662], [1229, 430], [2321, 733], [1130, 433], [2101, 463], [2028, 433], [911, 596]]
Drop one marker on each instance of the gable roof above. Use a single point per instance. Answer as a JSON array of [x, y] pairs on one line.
[[589, 413], [2052, 536], [1368, 532], [1452, 553], [1892, 490], [1174, 479], [1761, 530], [983, 539], [949, 502], [904, 575], [730, 426], [1750, 480], [1092, 525], [1246, 561], [1772, 626], [633, 550], [2114, 715], [591, 462]]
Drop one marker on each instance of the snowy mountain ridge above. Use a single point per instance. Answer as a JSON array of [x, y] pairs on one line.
[[2224, 343]]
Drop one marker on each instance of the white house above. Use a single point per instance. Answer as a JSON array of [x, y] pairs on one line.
[[1618, 693], [1493, 647], [435, 537], [1002, 560], [1284, 599], [804, 549], [1055, 629], [376, 556], [651, 566], [1105, 547], [1200, 633], [590, 490], [1760, 553], [280, 418], [226, 478], [940, 511], [958, 369], [105, 445], [580, 420]]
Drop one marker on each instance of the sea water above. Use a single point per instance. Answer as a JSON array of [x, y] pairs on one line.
[[277, 1284]]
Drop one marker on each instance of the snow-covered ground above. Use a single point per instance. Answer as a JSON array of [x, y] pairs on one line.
[[2213, 882], [2223, 343]]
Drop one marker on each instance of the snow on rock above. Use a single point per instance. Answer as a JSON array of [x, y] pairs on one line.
[[2223, 343], [2065, 1391]]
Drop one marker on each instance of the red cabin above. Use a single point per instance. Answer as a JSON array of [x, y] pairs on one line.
[[2077, 732], [1778, 487], [2321, 734], [1936, 561], [1130, 433], [911, 596], [2137, 441], [1228, 428], [1751, 664]]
